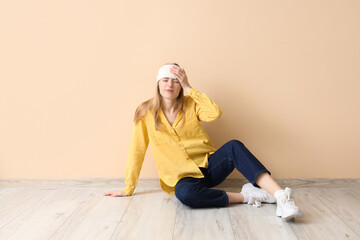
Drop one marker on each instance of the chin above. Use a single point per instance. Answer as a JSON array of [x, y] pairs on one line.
[[172, 96]]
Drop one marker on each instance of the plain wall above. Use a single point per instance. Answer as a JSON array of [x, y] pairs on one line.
[[285, 73]]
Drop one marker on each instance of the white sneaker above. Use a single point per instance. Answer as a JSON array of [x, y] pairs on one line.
[[286, 207], [257, 195]]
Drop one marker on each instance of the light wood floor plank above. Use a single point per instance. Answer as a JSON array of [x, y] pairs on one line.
[[320, 222], [97, 218], [15, 201], [150, 215], [202, 223], [36, 209], [45, 216], [249, 222], [261, 228], [345, 203]]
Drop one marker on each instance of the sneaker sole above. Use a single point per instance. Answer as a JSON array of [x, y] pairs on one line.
[[290, 216]]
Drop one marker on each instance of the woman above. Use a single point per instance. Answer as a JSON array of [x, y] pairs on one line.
[[187, 162]]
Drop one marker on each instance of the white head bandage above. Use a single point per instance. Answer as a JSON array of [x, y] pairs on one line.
[[164, 71]]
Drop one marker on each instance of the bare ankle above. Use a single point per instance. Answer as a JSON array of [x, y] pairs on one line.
[[235, 197]]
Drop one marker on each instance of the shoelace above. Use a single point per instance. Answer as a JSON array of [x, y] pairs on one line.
[[254, 201], [288, 199]]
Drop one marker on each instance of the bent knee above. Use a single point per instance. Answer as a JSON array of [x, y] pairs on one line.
[[235, 142], [186, 197]]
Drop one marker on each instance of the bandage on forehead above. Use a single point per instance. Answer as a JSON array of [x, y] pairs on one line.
[[164, 72]]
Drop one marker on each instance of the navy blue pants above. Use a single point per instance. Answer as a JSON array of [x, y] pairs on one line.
[[196, 192]]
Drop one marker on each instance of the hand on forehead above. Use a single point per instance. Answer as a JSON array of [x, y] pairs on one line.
[[165, 72]]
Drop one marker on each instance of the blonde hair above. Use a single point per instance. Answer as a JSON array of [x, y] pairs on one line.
[[154, 104]]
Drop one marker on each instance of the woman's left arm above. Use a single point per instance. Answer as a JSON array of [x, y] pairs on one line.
[[206, 109]]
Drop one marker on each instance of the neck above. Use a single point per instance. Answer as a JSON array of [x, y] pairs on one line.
[[168, 105]]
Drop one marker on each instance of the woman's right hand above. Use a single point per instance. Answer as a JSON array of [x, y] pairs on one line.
[[119, 193]]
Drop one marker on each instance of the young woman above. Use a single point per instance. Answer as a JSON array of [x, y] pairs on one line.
[[187, 162]]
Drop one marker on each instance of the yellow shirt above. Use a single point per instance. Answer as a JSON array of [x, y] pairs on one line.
[[178, 151]]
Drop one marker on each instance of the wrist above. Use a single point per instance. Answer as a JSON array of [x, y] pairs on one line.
[[187, 89]]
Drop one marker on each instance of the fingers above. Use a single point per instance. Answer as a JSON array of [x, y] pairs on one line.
[[178, 72], [110, 194], [115, 194]]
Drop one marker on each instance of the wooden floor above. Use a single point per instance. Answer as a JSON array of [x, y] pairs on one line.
[[76, 209]]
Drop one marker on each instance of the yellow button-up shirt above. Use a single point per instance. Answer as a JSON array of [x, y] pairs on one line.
[[178, 150]]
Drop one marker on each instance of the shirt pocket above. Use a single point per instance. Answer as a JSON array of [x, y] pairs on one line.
[[191, 130]]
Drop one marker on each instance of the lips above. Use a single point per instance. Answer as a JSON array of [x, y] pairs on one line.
[[169, 90]]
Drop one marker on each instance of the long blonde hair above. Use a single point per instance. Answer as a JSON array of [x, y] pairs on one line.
[[154, 104]]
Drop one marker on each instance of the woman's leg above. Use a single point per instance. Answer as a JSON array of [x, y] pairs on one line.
[[194, 192], [234, 154], [235, 197], [247, 164], [265, 181]]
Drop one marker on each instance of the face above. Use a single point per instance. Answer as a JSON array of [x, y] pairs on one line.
[[166, 84]]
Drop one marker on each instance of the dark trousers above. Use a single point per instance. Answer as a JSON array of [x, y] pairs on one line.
[[196, 192]]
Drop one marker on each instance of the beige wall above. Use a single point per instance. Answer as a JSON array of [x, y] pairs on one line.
[[285, 73]]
